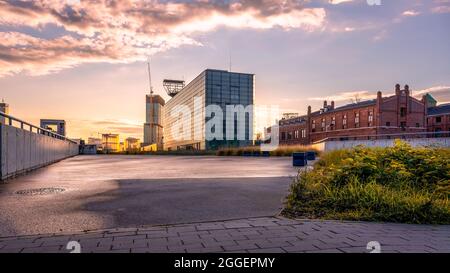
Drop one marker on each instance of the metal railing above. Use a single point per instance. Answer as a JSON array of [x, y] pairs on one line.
[[9, 120], [438, 134]]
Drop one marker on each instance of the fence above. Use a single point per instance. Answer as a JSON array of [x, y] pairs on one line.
[[424, 139], [24, 147]]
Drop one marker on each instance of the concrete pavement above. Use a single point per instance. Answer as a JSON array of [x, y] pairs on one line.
[[253, 235], [112, 191]]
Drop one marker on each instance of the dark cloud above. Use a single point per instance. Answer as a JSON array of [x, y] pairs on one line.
[[124, 30]]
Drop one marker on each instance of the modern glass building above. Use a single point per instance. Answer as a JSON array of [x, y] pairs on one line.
[[191, 117]]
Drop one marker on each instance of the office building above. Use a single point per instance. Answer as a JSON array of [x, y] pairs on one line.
[[207, 98], [110, 143], [132, 144]]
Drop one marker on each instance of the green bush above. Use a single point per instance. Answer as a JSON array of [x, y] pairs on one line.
[[397, 184]]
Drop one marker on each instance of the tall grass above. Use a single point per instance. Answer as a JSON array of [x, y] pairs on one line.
[[280, 151], [398, 184]]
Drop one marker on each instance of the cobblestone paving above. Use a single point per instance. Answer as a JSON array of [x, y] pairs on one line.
[[264, 234]]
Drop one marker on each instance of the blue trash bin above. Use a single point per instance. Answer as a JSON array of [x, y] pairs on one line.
[[265, 153], [310, 155], [299, 159]]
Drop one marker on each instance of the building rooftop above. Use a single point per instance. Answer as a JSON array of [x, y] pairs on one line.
[[293, 120], [347, 107], [439, 110]]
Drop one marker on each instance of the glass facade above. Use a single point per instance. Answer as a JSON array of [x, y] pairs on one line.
[[212, 87]]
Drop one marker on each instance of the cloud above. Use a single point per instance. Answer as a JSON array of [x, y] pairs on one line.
[[337, 2], [347, 96], [125, 128], [410, 13], [441, 9], [434, 90], [125, 30]]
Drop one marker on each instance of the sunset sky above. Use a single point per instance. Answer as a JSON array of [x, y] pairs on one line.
[[84, 61]]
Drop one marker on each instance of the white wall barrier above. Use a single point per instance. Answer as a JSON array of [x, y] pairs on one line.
[[22, 150], [415, 142]]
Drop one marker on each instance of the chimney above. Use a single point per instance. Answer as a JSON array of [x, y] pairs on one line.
[[397, 89], [324, 104], [332, 104], [407, 90], [309, 110]]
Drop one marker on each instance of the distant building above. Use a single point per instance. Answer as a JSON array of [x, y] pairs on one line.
[[132, 144], [153, 129], [59, 123], [89, 149], [396, 114], [4, 107], [211, 87], [150, 148], [94, 141], [110, 143], [438, 116]]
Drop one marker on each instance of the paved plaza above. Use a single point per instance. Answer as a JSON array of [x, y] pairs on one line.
[[111, 191], [250, 235]]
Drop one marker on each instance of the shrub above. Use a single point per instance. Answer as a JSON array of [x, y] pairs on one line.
[[280, 151], [398, 184]]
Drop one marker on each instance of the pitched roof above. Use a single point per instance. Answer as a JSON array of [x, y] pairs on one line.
[[439, 110], [348, 106]]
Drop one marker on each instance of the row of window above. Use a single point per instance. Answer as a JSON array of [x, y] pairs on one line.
[[438, 119], [293, 135], [332, 124]]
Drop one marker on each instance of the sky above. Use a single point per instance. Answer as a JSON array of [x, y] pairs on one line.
[[85, 61]]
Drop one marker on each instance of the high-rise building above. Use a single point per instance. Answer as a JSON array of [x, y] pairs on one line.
[[212, 100], [153, 130]]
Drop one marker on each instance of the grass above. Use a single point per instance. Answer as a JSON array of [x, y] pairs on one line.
[[397, 184], [280, 151]]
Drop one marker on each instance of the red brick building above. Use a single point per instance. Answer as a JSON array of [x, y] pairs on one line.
[[438, 116], [399, 113]]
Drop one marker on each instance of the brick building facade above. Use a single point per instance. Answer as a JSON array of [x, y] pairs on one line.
[[438, 116], [396, 114]]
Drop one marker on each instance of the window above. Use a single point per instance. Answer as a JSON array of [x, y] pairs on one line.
[[283, 135], [417, 125], [344, 121], [403, 125], [370, 118], [438, 119], [296, 134], [323, 124], [234, 93], [289, 135], [333, 122], [403, 111], [313, 126], [356, 119], [303, 133], [388, 124]]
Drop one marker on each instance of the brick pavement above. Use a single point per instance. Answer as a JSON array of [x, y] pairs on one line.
[[252, 235]]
